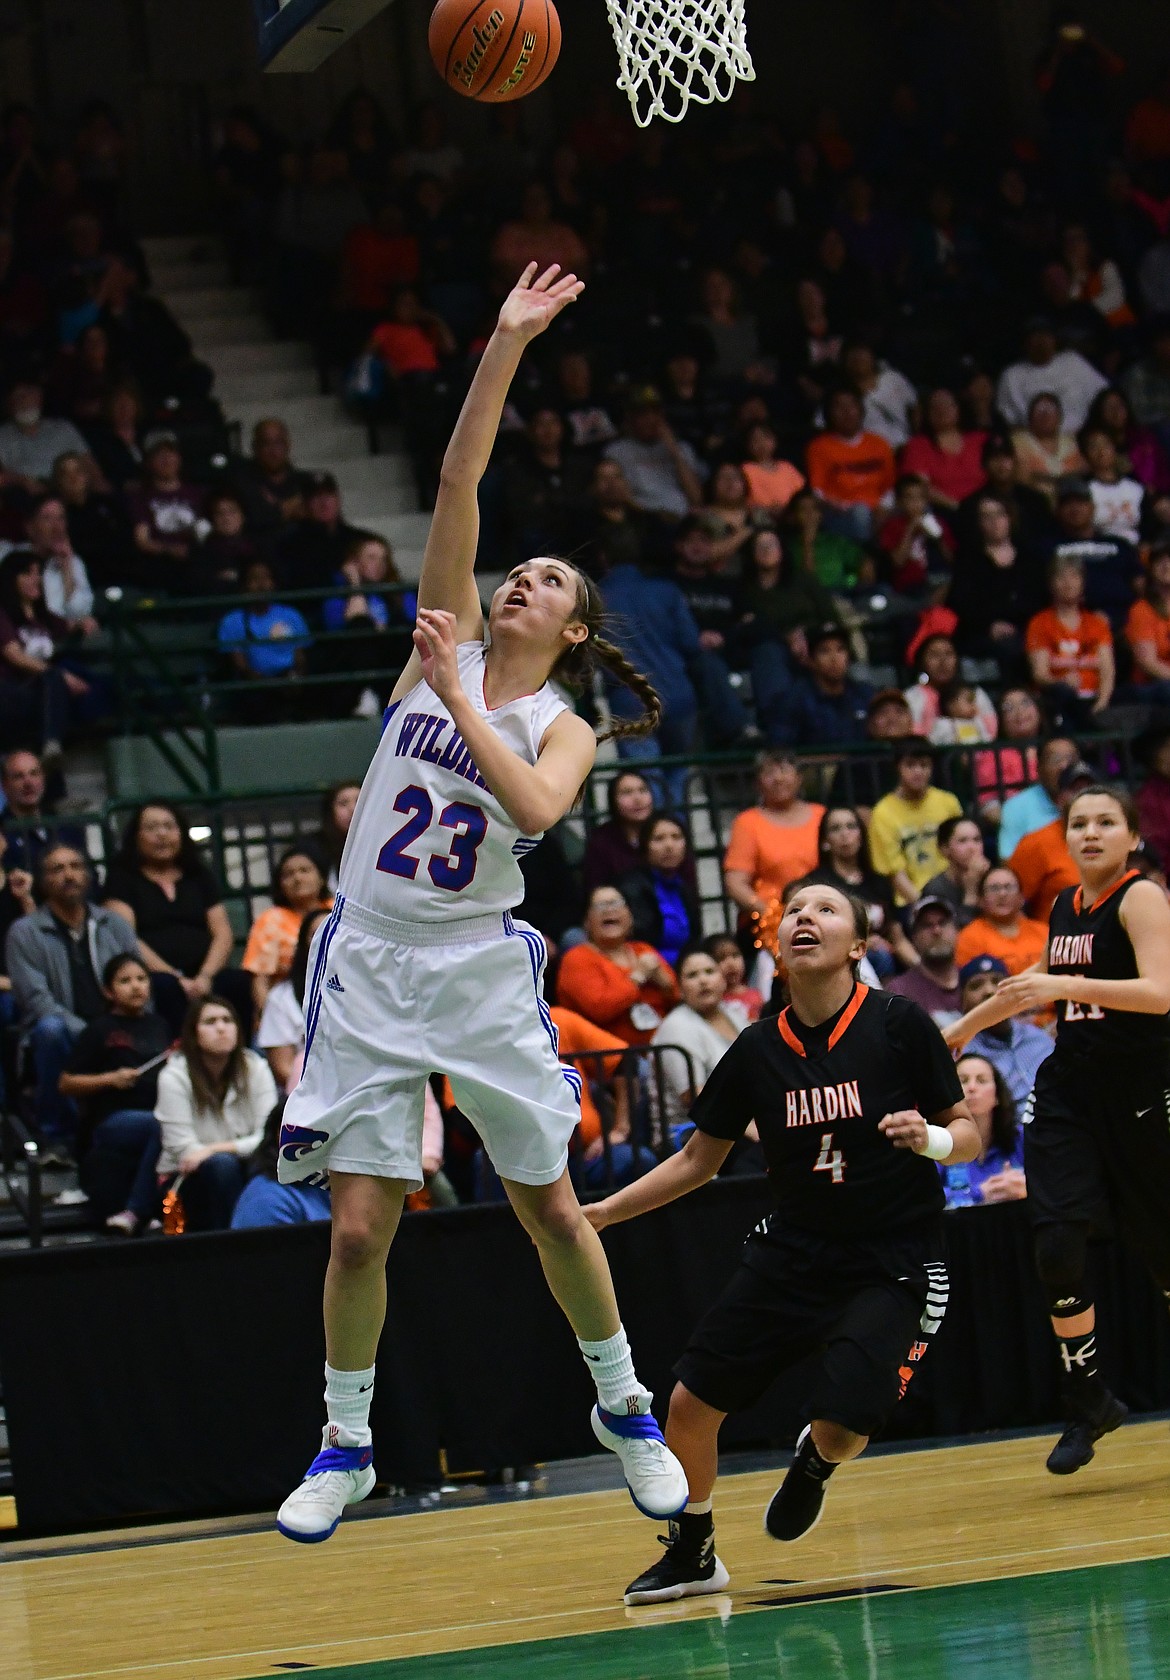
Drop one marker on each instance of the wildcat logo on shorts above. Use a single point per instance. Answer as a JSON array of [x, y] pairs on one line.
[[298, 1141]]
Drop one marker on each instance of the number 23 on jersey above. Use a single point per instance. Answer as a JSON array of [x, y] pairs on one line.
[[452, 868]]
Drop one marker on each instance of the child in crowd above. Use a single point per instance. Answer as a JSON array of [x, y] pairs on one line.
[[958, 722], [112, 1073], [903, 831], [1117, 498], [771, 482], [918, 545], [726, 952]]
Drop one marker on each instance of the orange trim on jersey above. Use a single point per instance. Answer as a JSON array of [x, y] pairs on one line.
[[787, 1034], [1079, 895], [860, 993]]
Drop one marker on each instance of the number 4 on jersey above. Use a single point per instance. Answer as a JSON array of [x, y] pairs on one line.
[[830, 1160]]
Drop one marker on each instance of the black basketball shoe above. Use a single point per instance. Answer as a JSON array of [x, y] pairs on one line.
[[687, 1568], [799, 1500], [1075, 1447]]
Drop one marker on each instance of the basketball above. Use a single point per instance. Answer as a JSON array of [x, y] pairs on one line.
[[494, 50]]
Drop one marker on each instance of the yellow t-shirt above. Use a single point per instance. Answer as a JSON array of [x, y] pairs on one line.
[[905, 836]]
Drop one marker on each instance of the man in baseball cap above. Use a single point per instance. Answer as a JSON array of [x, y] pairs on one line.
[[1015, 1047], [935, 982]]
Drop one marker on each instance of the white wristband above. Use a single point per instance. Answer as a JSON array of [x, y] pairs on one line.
[[939, 1143]]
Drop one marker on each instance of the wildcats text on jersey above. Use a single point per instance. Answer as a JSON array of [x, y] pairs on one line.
[[421, 735], [1070, 950], [823, 1104]]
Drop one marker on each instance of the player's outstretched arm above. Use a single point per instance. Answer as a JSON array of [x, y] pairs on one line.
[[694, 1165], [447, 581], [998, 1007]]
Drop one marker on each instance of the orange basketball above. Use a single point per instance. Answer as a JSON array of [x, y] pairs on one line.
[[494, 50]]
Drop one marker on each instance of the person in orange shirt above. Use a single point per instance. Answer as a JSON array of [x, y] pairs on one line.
[[1001, 929], [1070, 650], [1041, 861], [298, 887], [774, 842], [853, 471], [1147, 630], [771, 482], [616, 982], [578, 1037]]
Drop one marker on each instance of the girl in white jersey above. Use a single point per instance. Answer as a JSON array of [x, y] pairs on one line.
[[421, 967]]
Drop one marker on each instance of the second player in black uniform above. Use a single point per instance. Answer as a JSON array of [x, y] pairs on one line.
[[1097, 1137], [851, 1262]]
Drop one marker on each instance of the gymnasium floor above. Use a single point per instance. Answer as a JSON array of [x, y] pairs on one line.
[[956, 1561]]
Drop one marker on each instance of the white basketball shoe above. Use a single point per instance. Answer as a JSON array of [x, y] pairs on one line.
[[341, 1474]]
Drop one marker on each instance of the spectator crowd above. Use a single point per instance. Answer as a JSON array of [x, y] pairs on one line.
[[866, 438]]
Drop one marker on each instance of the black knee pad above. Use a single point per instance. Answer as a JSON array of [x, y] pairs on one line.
[[1060, 1261]]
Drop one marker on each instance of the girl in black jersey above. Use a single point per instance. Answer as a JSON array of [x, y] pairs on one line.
[[851, 1262], [1097, 1140]]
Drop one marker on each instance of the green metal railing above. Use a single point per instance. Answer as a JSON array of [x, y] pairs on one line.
[[241, 832], [171, 676]]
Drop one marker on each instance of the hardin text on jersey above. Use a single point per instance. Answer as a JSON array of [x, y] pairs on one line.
[[823, 1104]]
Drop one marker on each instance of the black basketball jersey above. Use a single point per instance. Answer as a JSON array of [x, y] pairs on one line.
[[818, 1095], [1090, 940]]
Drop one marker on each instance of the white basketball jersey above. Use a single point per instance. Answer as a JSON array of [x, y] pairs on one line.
[[428, 841]]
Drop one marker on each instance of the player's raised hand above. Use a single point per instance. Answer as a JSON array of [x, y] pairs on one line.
[[434, 639], [535, 301], [906, 1129]]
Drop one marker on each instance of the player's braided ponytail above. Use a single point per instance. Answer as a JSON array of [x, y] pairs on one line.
[[577, 665]]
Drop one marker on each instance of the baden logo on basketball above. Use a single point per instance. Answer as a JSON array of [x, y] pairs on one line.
[[494, 50]]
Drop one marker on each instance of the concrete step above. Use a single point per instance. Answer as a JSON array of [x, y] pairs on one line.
[[406, 532], [187, 276], [325, 448], [214, 332], [237, 323], [182, 247], [238, 390], [311, 411], [201, 303], [252, 358], [373, 475]]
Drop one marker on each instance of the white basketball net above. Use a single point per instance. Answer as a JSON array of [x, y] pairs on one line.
[[676, 51]]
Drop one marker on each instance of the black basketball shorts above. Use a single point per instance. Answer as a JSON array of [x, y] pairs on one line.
[[869, 1308], [1097, 1152]]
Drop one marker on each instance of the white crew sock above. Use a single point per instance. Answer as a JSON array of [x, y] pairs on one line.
[[611, 1366], [700, 1507], [347, 1403]]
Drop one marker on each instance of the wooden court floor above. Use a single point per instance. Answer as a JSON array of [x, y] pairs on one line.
[[959, 1561]]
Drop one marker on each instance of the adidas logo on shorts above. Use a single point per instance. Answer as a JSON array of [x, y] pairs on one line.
[[333, 984]]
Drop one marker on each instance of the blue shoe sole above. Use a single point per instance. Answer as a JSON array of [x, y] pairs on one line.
[[655, 1516], [306, 1539]]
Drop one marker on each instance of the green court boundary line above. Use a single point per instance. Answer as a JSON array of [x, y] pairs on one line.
[[610, 1652]]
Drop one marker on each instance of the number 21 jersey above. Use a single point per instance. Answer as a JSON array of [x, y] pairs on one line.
[[429, 841], [1090, 939]]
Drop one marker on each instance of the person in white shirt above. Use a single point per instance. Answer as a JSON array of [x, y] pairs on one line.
[[705, 1025], [213, 1100], [281, 1034], [1044, 368], [64, 579], [890, 401], [664, 474], [1117, 499]]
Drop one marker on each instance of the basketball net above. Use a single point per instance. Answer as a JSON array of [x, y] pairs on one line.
[[676, 51]]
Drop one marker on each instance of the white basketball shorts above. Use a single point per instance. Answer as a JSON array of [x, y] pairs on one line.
[[388, 1004]]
